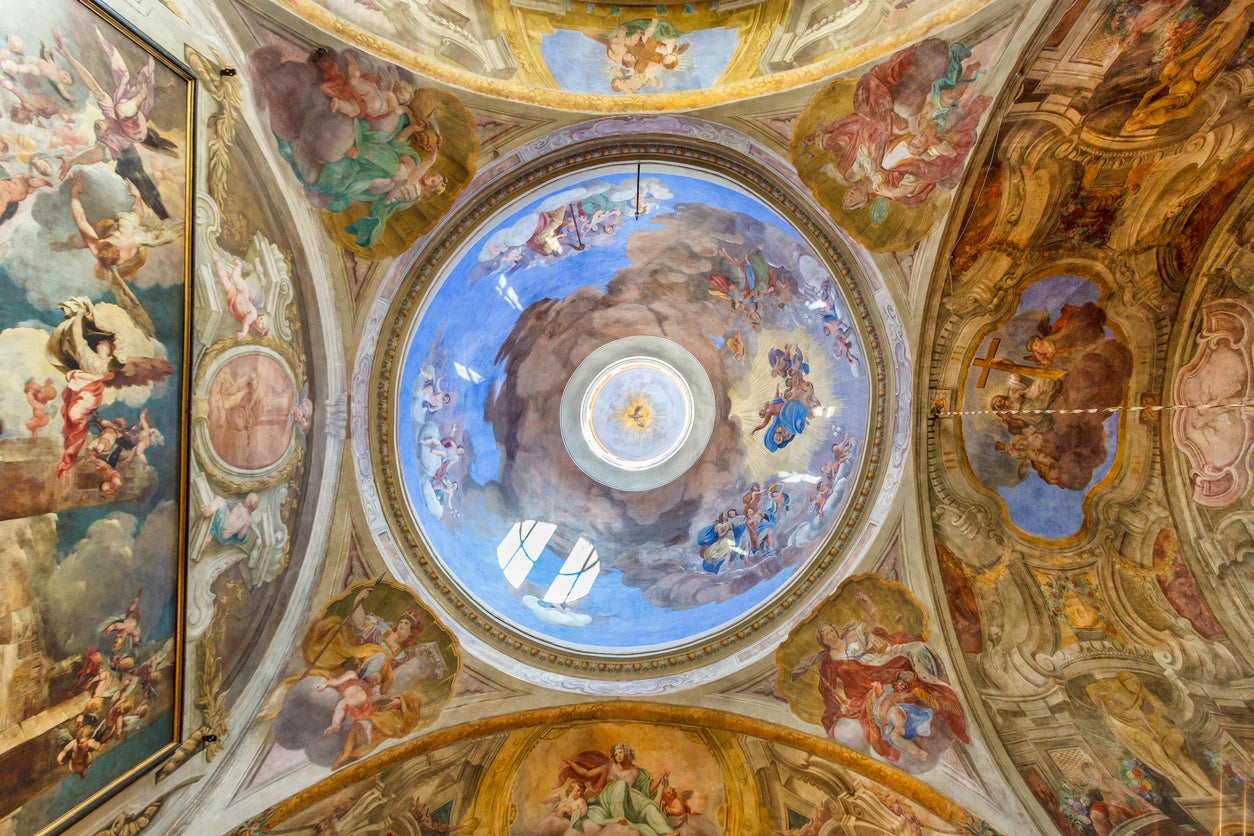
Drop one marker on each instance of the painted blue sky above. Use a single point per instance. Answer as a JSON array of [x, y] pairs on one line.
[[1034, 506], [466, 321], [579, 65]]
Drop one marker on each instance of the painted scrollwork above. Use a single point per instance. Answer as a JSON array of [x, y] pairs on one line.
[[1109, 633], [1212, 431]]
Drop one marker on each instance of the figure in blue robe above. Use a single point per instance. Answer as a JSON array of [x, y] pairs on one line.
[[783, 421], [721, 540]]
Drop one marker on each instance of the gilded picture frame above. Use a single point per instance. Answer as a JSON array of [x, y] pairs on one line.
[[97, 159]]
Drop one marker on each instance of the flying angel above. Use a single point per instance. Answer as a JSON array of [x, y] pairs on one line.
[[15, 62], [126, 112], [97, 346]]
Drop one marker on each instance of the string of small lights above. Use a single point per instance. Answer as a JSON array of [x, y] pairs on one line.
[[938, 412]]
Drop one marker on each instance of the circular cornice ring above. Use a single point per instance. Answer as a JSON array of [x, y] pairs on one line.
[[711, 654]]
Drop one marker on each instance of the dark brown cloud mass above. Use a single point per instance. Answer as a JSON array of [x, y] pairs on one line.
[[648, 535]]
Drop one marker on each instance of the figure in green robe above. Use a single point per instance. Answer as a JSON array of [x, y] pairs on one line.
[[618, 790]]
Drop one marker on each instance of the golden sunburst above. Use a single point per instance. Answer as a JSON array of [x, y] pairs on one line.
[[636, 415], [758, 388]]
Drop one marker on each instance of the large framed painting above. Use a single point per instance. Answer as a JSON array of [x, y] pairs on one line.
[[95, 162]]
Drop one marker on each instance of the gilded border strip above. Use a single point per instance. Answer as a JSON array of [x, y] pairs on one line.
[[907, 785], [313, 12]]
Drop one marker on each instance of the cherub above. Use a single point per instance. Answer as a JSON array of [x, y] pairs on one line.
[[128, 706], [431, 398], [126, 627], [115, 442], [573, 805], [798, 388], [359, 95], [657, 43], [675, 805], [615, 45], [842, 451], [231, 521], [30, 107], [13, 190], [148, 676], [641, 58], [842, 339], [902, 712], [147, 436], [752, 312], [752, 500], [1026, 448], [302, 414], [40, 398], [110, 477], [787, 362], [238, 298], [79, 751], [356, 699], [822, 492], [602, 220], [15, 62], [842, 348], [632, 81], [103, 686], [344, 96]]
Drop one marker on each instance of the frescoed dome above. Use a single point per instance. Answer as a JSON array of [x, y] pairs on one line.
[[558, 418], [632, 407]]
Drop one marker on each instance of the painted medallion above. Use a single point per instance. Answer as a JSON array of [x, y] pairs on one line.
[[1047, 384]]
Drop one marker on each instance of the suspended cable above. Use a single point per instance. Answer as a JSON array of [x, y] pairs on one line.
[[638, 165], [937, 412]]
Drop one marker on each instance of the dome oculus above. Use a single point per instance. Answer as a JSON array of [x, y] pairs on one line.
[[637, 413]]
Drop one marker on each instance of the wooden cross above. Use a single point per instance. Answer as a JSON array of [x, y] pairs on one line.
[[985, 364], [991, 361], [647, 52]]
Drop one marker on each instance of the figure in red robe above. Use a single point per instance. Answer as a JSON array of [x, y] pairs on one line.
[[86, 348], [910, 131], [889, 684]]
